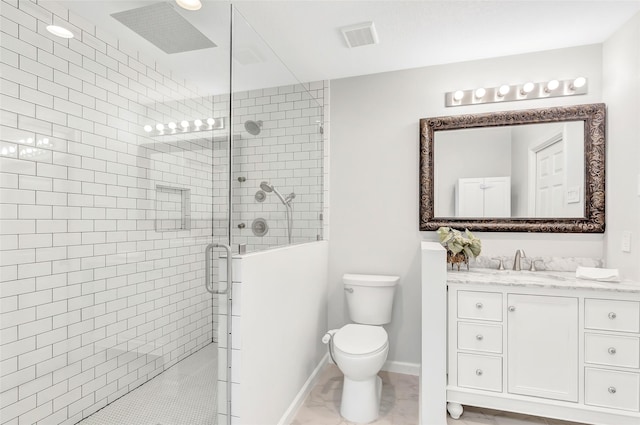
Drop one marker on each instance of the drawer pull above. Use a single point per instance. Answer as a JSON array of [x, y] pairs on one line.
[[612, 350], [612, 390], [479, 305], [612, 315], [512, 308], [479, 337], [479, 373]]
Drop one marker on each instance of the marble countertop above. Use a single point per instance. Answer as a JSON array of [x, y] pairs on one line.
[[542, 279]]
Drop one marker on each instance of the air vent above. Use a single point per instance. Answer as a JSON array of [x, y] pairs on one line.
[[161, 25], [360, 35]]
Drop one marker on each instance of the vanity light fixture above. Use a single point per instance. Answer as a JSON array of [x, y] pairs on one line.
[[527, 88], [59, 31], [186, 126], [504, 90], [551, 86], [512, 92], [189, 4]]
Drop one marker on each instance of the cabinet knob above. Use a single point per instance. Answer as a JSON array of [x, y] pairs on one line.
[[612, 315], [478, 305], [512, 308], [479, 373], [612, 350], [479, 337], [612, 390]]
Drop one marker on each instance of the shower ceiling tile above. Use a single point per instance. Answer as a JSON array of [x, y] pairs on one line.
[[164, 27]]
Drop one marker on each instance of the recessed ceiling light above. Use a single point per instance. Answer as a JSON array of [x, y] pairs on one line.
[[189, 4], [59, 31]]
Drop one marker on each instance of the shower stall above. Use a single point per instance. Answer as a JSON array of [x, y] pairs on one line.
[[141, 158]]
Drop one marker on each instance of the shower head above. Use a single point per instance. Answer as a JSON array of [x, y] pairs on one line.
[[270, 188], [253, 127]]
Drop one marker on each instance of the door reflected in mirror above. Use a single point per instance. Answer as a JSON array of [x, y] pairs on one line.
[[520, 171]]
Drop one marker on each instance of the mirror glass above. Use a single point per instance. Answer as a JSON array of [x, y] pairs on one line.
[[531, 170], [535, 170]]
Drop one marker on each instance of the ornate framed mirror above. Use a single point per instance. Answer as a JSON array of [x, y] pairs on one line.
[[536, 170]]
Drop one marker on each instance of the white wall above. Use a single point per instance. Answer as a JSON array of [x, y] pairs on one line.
[[374, 173], [621, 92], [282, 318]]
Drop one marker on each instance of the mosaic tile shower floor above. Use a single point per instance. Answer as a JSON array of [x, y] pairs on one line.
[[184, 394], [399, 405]]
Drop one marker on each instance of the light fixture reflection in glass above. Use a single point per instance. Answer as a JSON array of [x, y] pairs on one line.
[[59, 31], [552, 85], [197, 123], [189, 4], [211, 122], [503, 90], [148, 128], [159, 127], [458, 95], [172, 125], [184, 124], [527, 87]]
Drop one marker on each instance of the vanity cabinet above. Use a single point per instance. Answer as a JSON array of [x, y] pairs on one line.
[[564, 353]]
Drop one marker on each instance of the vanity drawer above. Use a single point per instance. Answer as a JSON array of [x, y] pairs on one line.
[[612, 350], [480, 305], [612, 315], [610, 388], [480, 372], [480, 337]]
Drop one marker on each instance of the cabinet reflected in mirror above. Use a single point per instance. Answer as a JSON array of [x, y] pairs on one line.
[[537, 170]]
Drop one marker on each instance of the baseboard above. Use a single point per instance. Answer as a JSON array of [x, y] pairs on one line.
[[402, 367], [299, 399]]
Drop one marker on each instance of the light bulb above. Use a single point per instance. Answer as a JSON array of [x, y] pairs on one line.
[[503, 90], [197, 123], [159, 127], [172, 125], [148, 128], [189, 4], [527, 87], [458, 95], [211, 121], [480, 93], [579, 82], [59, 31], [185, 124], [12, 149], [552, 85], [4, 151]]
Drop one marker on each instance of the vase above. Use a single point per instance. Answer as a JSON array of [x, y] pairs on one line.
[[457, 259]]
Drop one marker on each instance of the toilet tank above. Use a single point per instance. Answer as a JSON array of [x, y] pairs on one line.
[[370, 297]]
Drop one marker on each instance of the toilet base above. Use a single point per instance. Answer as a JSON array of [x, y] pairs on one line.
[[361, 400]]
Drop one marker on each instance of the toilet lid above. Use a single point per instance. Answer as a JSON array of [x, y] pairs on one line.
[[360, 339]]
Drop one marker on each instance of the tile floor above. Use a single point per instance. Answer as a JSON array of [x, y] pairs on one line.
[[399, 405], [184, 394]]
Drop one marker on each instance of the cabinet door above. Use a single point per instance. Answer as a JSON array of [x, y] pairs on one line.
[[497, 197], [542, 346], [470, 197]]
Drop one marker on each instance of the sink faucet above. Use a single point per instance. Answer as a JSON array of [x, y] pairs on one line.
[[516, 261]]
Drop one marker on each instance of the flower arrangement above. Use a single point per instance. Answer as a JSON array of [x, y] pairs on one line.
[[459, 247]]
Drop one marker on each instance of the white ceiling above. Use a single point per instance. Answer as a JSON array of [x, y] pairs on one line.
[[305, 35]]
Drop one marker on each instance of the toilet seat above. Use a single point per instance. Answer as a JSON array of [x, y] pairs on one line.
[[360, 340]]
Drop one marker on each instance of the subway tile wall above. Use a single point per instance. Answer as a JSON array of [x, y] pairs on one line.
[[287, 153], [95, 300]]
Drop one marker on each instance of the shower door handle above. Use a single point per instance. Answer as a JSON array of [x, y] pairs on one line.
[[207, 275]]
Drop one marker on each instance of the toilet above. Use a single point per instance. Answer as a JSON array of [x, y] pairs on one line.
[[360, 349]]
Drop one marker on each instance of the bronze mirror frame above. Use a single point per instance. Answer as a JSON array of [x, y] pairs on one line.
[[594, 117]]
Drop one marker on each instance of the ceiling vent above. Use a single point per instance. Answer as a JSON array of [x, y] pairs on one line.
[[161, 25], [358, 35]]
